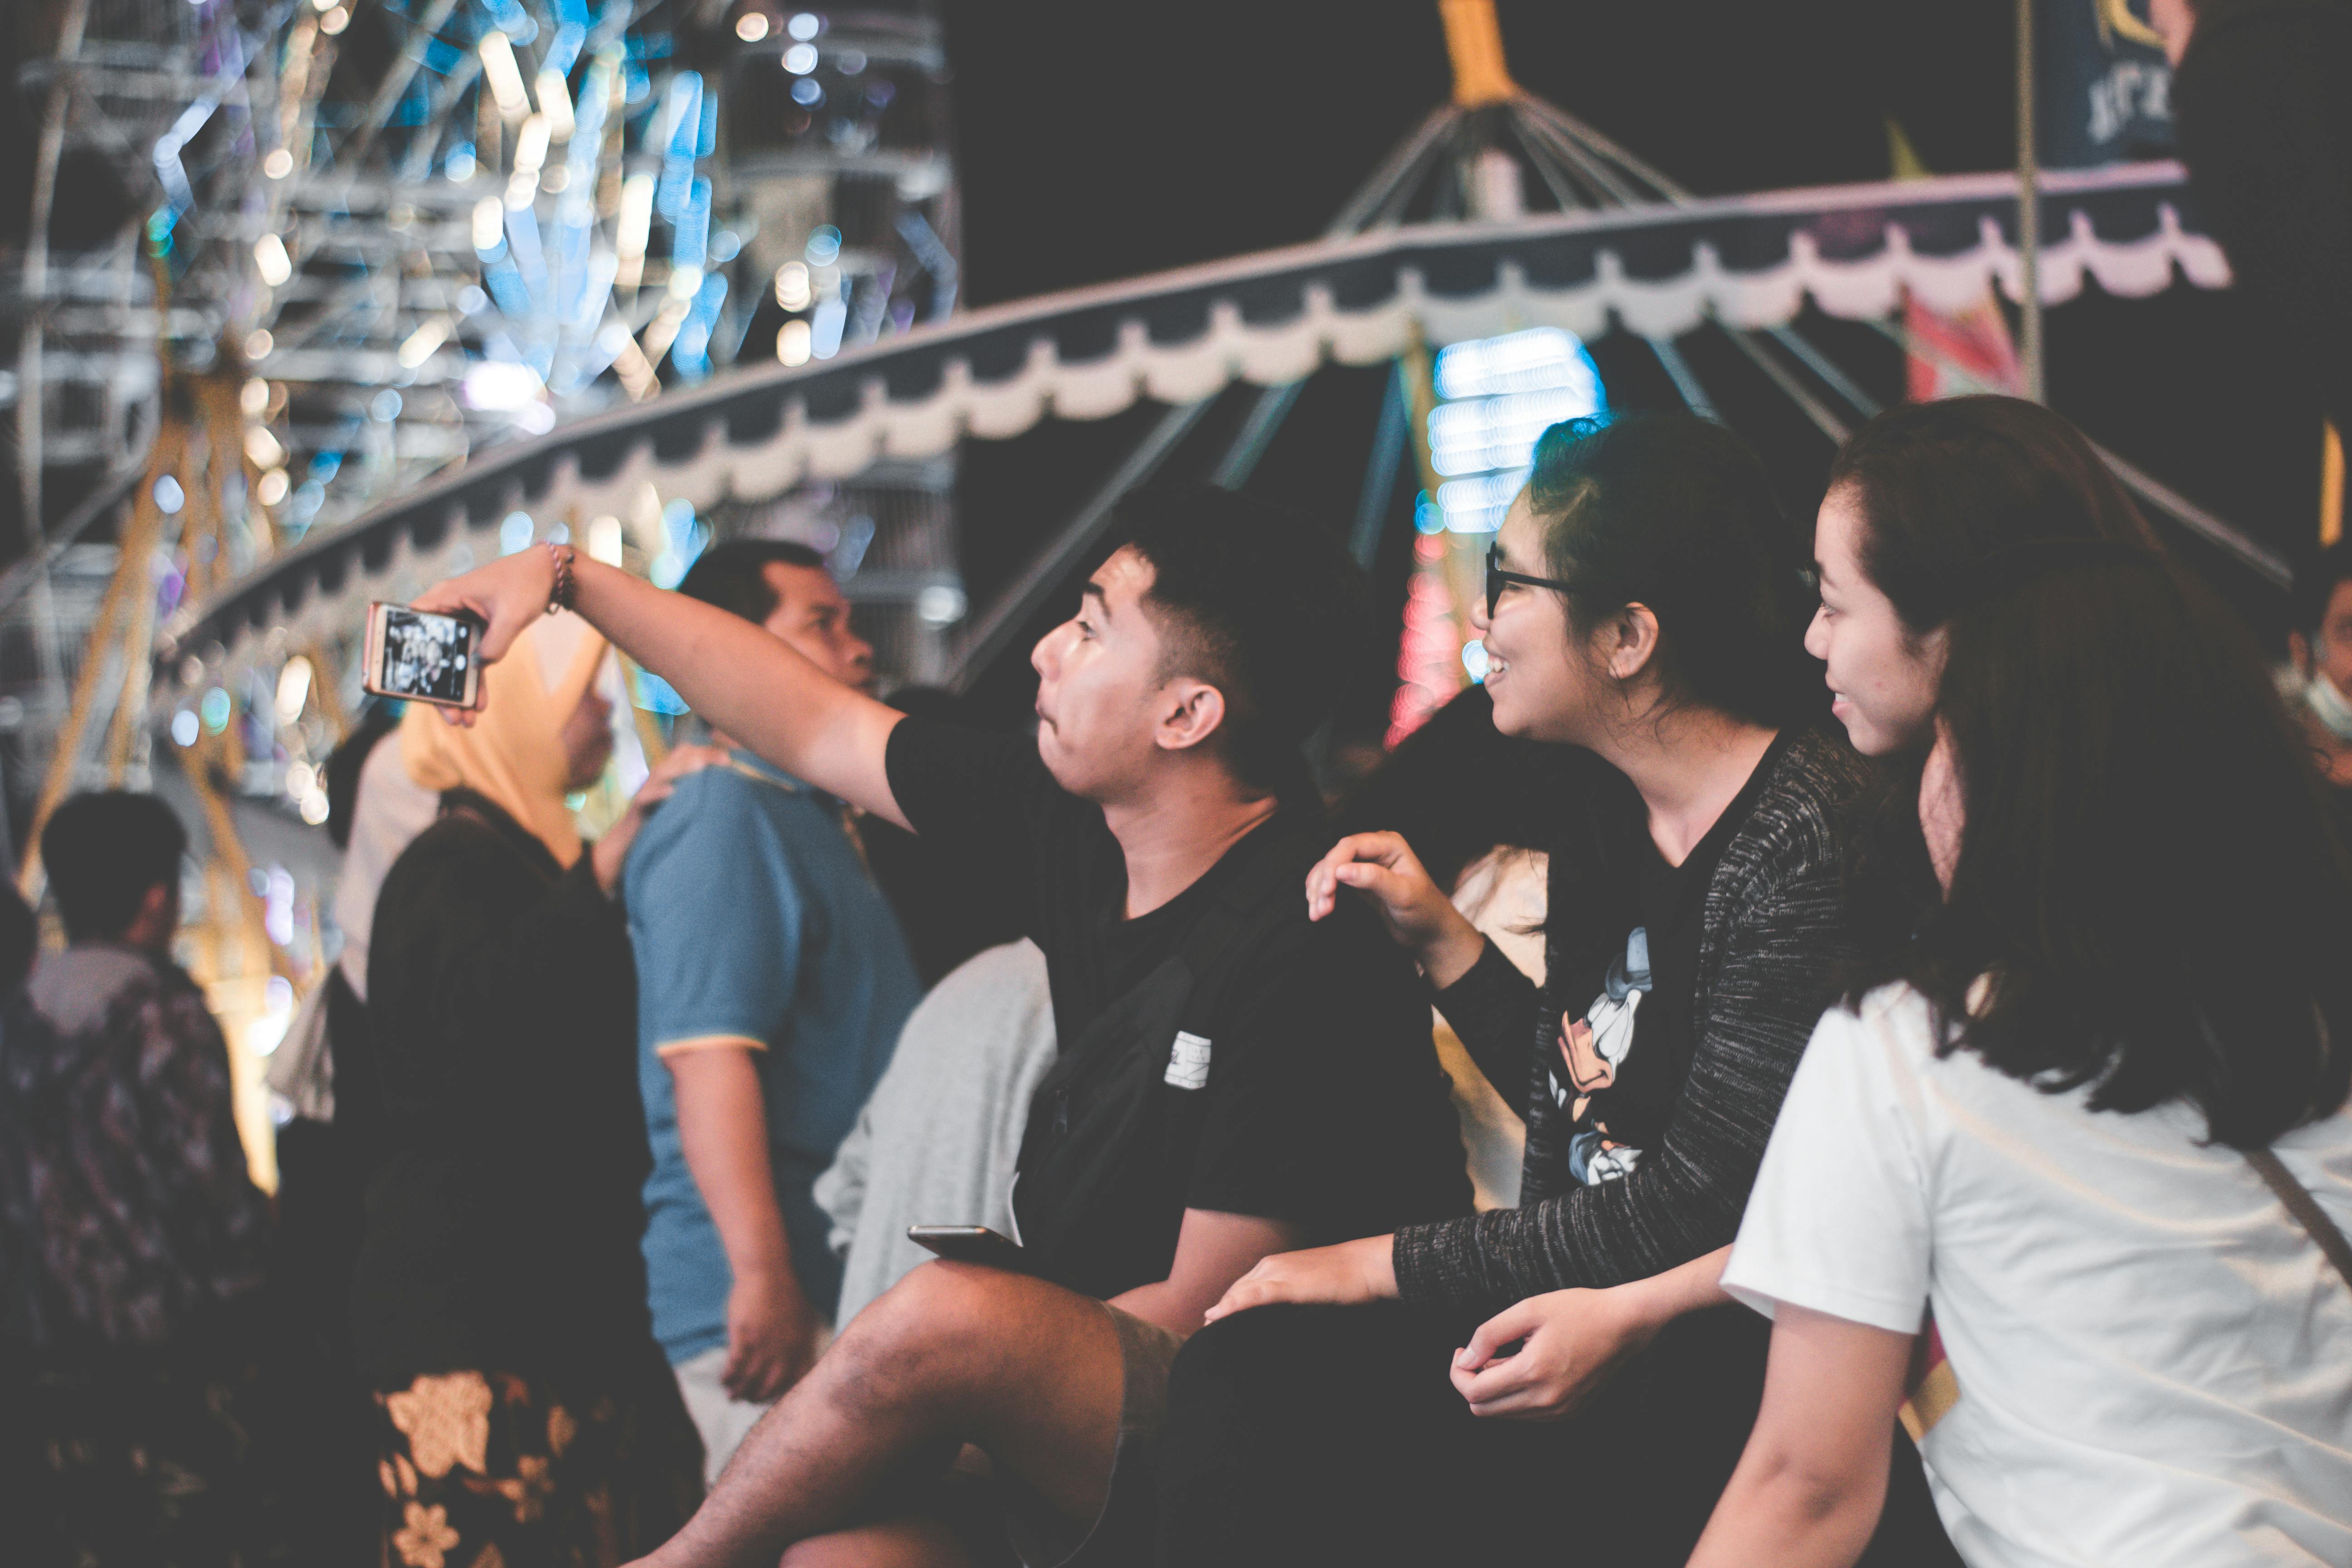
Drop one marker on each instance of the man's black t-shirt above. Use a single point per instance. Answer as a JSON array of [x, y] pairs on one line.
[[1325, 1107], [1625, 1061]]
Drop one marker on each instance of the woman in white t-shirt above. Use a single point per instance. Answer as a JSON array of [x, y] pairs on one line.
[[2030, 1137]]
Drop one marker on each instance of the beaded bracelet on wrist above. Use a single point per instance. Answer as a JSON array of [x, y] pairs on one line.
[[559, 596]]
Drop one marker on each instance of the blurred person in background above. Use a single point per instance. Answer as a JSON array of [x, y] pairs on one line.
[[2265, 127], [939, 1140], [323, 1072], [2318, 683], [771, 985], [132, 1241], [500, 1306]]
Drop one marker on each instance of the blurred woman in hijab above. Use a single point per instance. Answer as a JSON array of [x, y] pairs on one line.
[[499, 1308]]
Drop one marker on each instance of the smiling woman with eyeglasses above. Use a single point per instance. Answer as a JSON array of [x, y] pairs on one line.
[[1646, 601]]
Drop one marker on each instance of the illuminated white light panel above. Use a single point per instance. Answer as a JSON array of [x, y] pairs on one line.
[[1501, 393]]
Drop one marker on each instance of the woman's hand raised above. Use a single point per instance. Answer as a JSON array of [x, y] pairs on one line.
[[1384, 870]]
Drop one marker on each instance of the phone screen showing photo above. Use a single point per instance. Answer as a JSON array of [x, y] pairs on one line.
[[426, 655]]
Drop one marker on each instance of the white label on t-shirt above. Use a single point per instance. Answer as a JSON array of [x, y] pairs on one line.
[[1188, 1065]]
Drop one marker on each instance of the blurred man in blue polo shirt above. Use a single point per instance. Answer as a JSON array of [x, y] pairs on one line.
[[772, 983]]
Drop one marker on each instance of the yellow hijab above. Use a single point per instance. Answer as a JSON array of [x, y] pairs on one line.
[[513, 754]]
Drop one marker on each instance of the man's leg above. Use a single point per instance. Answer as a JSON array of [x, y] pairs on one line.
[[722, 1420], [955, 1353]]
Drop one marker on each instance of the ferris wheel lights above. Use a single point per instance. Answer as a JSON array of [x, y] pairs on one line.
[[801, 59], [630, 225], [421, 343], [262, 448], [257, 344], [751, 26], [531, 145], [334, 21], [254, 398], [269, 258], [604, 539], [805, 27], [498, 68], [489, 224], [555, 103], [278, 163]]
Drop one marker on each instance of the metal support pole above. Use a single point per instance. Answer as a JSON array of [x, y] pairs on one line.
[[1379, 474], [2029, 212], [29, 392], [1020, 601], [1678, 371], [1256, 434]]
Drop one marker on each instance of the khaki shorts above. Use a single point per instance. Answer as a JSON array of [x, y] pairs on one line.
[[1122, 1533]]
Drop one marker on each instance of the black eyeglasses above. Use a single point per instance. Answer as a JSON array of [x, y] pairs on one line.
[[1498, 579]]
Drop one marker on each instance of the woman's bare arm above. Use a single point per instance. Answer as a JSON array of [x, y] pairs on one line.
[[1813, 1477]]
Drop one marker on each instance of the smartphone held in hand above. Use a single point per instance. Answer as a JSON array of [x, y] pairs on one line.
[[971, 1244], [421, 656]]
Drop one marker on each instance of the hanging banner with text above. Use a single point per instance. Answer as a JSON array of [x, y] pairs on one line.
[[2105, 89]]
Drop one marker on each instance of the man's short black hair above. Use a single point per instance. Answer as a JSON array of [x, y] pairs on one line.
[[734, 575], [1264, 605], [103, 851], [2314, 585]]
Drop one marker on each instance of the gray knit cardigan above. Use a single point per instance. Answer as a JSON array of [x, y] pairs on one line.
[[1773, 934]]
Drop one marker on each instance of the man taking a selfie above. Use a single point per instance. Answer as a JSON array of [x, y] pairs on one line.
[[1232, 1081]]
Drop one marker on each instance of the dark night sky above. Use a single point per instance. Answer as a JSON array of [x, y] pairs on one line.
[[1098, 142]]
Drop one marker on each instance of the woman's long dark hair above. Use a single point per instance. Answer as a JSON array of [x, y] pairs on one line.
[[2148, 877], [1943, 485], [1675, 513]]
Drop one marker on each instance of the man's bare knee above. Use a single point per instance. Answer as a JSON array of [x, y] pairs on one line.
[[931, 1336], [960, 1335]]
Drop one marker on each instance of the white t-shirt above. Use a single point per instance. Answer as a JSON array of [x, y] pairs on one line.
[[2154, 1360]]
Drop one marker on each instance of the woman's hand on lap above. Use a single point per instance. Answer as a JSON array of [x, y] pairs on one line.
[[1568, 1341], [1340, 1276]]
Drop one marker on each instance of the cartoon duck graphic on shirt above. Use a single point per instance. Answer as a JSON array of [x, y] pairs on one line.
[[1592, 1049]]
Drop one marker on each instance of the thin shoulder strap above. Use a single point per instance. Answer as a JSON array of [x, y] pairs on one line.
[[2305, 1209]]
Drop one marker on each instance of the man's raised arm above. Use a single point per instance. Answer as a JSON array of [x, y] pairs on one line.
[[740, 679]]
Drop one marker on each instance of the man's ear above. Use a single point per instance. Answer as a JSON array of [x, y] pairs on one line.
[[1629, 641], [2298, 653], [1189, 712]]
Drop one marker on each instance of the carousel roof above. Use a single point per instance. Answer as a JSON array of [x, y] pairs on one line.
[[1657, 267]]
